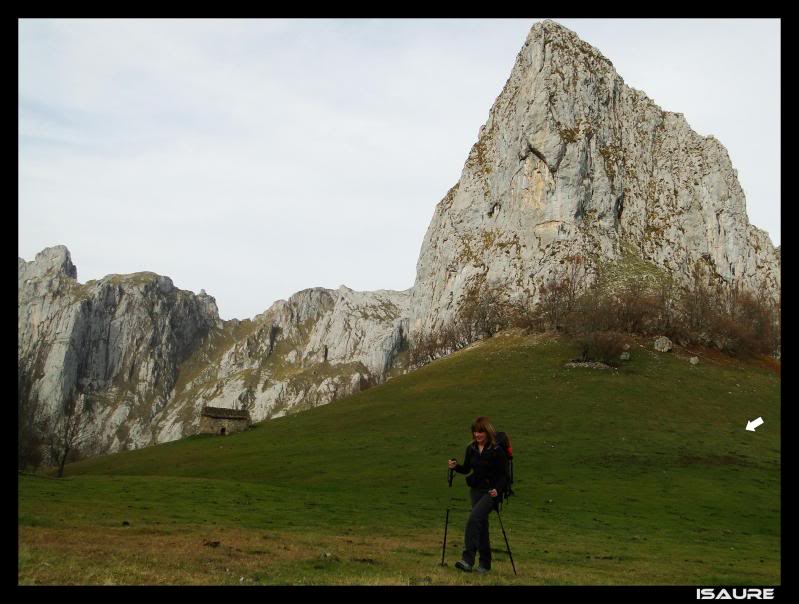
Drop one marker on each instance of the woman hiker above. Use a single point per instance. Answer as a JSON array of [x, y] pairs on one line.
[[489, 465]]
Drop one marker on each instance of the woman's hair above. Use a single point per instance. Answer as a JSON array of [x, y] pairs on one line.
[[483, 424]]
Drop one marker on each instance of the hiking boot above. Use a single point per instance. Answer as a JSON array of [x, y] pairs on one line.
[[481, 570], [464, 566]]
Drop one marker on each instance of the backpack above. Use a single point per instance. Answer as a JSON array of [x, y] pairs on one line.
[[503, 440]]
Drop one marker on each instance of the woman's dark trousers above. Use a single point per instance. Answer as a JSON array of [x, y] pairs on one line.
[[477, 528]]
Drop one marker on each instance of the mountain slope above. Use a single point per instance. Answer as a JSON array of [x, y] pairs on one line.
[[649, 467]]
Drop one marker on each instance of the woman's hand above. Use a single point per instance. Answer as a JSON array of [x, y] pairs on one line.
[[493, 492], [452, 463]]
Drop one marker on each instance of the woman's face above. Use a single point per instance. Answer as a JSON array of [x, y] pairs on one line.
[[480, 437]]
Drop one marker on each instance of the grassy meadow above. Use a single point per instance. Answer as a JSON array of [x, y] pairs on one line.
[[643, 475]]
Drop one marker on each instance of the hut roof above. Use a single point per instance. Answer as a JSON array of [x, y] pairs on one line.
[[223, 413]]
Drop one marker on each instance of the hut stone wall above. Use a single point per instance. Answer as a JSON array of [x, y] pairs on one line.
[[215, 425]]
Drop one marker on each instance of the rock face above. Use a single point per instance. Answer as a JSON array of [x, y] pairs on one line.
[[118, 341], [149, 356], [316, 347], [571, 161]]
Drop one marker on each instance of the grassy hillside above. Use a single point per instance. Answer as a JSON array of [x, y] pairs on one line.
[[641, 475]]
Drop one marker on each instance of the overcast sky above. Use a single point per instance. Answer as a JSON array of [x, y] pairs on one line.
[[256, 158]]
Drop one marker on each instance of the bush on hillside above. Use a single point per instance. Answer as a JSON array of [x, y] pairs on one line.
[[703, 312], [742, 324], [601, 346], [482, 312], [30, 439], [559, 294]]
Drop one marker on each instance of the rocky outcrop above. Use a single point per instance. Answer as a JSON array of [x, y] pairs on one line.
[[316, 347], [147, 356], [117, 342], [573, 162]]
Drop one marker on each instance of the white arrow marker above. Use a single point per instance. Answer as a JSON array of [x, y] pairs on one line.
[[754, 424]]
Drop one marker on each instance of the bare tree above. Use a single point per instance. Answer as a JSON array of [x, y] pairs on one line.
[[522, 314], [560, 293], [698, 300], [30, 428], [575, 275], [746, 323], [667, 304], [637, 302], [71, 430], [436, 343], [484, 310]]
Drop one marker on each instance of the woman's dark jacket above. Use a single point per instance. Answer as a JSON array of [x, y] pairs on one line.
[[490, 467]]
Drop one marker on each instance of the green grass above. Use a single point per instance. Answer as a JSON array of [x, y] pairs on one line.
[[644, 475]]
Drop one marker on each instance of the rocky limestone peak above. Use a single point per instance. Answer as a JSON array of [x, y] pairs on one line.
[[572, 162], [54, 261], [118, 340]]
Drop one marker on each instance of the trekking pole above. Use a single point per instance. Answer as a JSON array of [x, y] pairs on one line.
[[446, 521], [506, 538]]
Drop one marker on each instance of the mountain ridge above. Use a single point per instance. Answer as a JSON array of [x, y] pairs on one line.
[[147, 356]]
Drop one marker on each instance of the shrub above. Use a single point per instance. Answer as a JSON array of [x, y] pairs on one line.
[[601, 346], [743, 324], [703, 311], [560, 293]]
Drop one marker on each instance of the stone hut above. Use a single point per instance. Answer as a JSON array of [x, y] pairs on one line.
[[218, 420]]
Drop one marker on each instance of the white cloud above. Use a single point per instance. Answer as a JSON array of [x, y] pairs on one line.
[[256, 158]]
